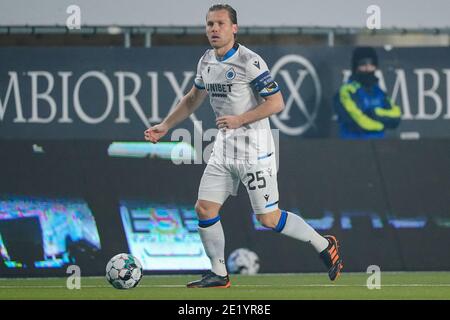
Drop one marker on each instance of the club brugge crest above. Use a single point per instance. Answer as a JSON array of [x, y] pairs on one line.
[[231, 74]]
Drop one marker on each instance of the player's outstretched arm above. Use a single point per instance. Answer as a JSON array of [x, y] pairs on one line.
[[187, 105], [272, 104]]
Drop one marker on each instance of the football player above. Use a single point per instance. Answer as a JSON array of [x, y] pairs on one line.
[[243, 95]]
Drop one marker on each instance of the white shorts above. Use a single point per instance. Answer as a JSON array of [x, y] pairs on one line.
[[221, 179]]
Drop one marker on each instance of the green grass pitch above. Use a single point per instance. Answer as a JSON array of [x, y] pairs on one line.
[[401, 285]]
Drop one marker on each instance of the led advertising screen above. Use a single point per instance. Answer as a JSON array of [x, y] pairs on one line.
[[45, 233], [163, 236]]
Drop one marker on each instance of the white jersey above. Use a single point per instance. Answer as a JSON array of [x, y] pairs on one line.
[[236, 84]]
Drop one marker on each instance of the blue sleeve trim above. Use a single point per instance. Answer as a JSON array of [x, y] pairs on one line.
[[199, 87], [261, 81], [271, 204], [282, 222], [261, 76], [265, 156], [209, 222], [269, 93]]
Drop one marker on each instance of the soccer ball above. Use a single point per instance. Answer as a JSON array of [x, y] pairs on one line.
[[243, 261], [124, 271]]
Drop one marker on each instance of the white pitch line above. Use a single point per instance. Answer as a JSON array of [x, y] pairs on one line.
[[239, 285], [387, 273]]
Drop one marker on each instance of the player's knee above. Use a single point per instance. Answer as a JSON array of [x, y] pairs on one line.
[[269, 220], [200, 208], [204, 210]]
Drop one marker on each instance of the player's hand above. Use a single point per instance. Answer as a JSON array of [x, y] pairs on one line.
[[229, 122], [155, 133]]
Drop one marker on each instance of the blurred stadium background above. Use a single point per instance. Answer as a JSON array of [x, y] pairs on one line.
[[78, 184]]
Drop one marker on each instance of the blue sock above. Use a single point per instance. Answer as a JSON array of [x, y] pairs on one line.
[[209, 222], [294, 226], [282, 222]]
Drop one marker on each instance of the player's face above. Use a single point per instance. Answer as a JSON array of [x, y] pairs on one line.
[[219, 29], [367, 67]]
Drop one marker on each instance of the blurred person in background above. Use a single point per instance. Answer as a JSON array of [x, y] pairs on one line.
[[364, 110]]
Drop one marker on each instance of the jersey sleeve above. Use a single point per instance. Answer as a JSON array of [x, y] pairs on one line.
[[260, 78], [198, 81]]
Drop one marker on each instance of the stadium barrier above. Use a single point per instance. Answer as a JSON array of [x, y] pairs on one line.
[[115, 93], [69, 202]]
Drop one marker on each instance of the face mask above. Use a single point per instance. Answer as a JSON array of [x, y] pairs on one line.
[[367, 79]]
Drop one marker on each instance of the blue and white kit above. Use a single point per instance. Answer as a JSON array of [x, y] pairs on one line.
[[237, 83]]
